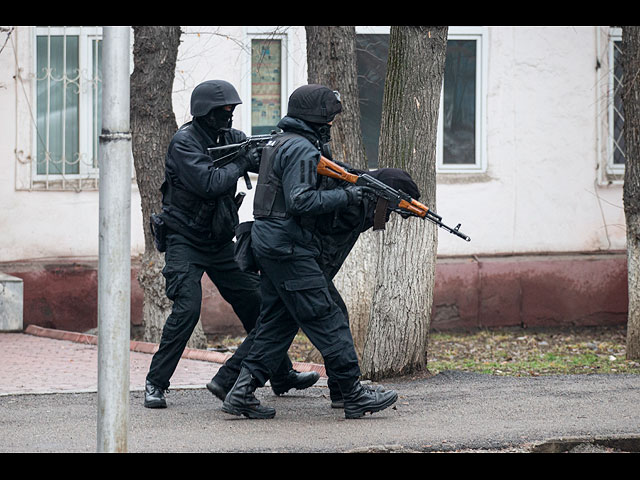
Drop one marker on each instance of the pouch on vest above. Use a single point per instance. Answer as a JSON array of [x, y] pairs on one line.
[[243, 253], [225, 219]]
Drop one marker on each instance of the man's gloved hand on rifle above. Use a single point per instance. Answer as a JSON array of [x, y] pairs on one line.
[[249, 160], [355, 194]]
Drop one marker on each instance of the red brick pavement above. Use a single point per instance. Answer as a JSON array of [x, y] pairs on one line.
[[42, 360]]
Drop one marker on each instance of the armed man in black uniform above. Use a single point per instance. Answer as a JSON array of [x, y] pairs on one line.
[[199, 215], [299, 225]]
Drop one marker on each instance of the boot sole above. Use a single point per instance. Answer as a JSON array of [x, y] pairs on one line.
[[247, 412], [360, 412], [155, 404]]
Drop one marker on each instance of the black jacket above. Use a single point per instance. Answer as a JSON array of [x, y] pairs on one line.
[[316, 205], [320, 222], [197, 199]]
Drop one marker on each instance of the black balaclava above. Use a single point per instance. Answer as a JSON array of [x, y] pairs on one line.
[[323, 130], [219, 119]]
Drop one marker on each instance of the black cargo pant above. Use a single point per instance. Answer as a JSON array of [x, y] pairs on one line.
[[184, 266], [296, 294], [228, 373]]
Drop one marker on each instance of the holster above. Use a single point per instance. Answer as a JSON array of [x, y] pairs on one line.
[[243, 253], [159, 231]]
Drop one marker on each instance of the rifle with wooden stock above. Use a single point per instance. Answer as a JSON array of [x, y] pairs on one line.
[[398, 201]]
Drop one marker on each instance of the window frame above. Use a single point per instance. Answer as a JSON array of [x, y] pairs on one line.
[[88, 166], [265, 33], [479, 34], [612, 169]]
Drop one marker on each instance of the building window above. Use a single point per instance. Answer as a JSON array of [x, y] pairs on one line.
[[266, 84], [372, 50], [459, 103], [616, 158], [68, 102], [460, 128]]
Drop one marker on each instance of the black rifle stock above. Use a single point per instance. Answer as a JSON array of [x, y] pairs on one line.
[[236, 148]]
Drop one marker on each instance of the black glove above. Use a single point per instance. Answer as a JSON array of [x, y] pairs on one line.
[[354, 195], [369, 193], [253, 159]]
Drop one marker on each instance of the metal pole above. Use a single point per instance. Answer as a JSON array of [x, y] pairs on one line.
[[114, 253]]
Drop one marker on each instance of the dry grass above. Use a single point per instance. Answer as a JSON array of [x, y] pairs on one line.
[[511, 351], [521, 352]]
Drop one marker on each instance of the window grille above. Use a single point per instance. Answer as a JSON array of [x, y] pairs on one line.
[[616, 125], [609, 106], [66, 107]]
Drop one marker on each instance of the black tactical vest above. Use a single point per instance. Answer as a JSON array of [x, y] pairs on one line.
[[200, 220], [269, 197]]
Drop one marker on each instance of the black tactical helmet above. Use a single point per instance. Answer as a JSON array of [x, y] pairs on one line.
[[314, 103], [211, 94]]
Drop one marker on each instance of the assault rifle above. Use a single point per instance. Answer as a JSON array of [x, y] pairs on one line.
[[398, 201], [236, 148]]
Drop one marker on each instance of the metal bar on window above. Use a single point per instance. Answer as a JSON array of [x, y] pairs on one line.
[[63, 152], [67, 120], [47, 155]]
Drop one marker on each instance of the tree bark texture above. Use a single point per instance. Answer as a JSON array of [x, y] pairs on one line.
[[631, 189], [153, 124], [331, 61], [397, 337]]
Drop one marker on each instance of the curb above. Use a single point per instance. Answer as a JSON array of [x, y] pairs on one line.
[[627, 443], [151, 348]]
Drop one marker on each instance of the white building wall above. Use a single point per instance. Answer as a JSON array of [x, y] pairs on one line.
[[539, 192]]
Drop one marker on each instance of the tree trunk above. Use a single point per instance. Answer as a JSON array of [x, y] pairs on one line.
[[397, 338], [153, 124], [331, 61], [631, 190]]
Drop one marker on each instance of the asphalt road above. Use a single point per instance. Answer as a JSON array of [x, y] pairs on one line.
[[452, 411]]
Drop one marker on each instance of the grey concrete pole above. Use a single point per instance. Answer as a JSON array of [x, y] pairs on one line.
[[114, 252]]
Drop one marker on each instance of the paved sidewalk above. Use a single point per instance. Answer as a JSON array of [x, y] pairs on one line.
[[451, 411], [43, 360]]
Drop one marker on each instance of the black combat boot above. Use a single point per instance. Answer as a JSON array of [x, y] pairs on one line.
[[359, 400], [293, 379], [337, 400], [217, 389], [241, 401], [154, 396]]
